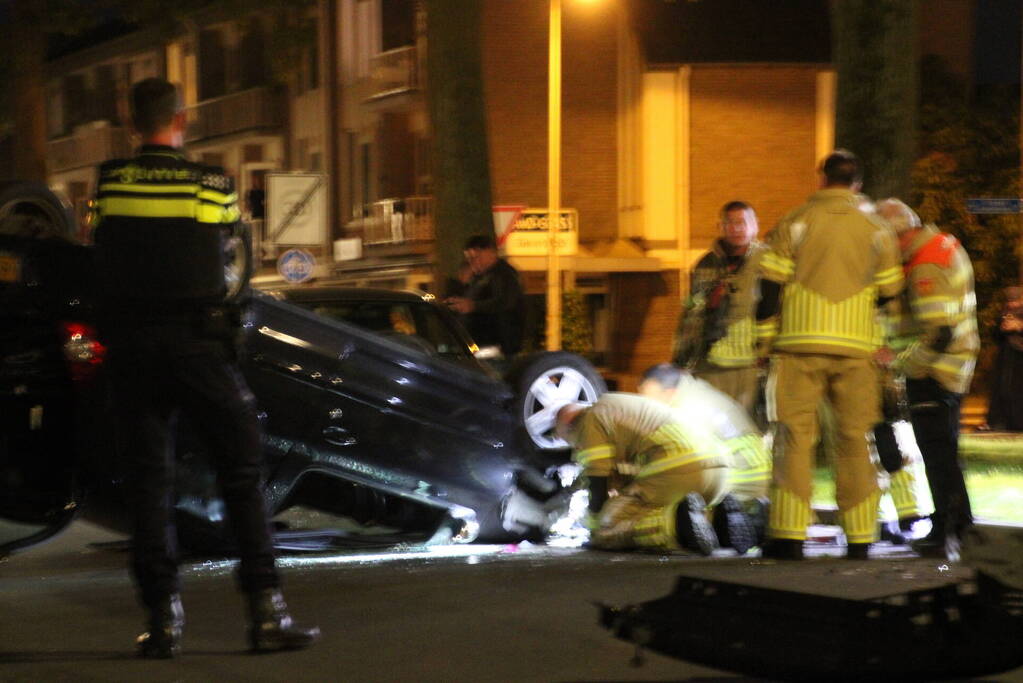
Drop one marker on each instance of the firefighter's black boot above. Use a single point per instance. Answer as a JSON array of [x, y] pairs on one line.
[[163, 639], [271, 627]]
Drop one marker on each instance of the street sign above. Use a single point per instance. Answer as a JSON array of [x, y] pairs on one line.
[[505, 218], [529, 236], [296, 208], [993, 205], [296, 266]]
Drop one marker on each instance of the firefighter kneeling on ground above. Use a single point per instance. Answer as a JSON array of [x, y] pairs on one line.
[[650, 478]]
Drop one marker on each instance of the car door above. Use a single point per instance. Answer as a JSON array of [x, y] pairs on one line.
[[376, 410]]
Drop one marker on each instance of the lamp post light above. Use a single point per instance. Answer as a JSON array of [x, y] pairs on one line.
[[554, 177]]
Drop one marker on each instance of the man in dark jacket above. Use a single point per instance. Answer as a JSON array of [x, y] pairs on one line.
[[493, 300], [160, 223]]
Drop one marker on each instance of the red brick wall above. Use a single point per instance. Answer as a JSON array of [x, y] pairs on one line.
[[752, 138], [515, 38], [645, 309]]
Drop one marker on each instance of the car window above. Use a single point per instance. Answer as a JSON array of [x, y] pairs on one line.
[[415, 325]]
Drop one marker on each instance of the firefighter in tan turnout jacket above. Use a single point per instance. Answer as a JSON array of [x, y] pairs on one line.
[[936, 347], [717, 338], [830, 264], [650, 477]]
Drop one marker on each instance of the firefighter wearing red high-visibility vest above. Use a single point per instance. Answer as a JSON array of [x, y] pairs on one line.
[[828, 266], [936, 346]]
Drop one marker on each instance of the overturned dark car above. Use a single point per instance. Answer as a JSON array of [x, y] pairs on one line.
[[374, 409]]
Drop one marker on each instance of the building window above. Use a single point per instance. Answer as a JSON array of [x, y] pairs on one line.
[[398, 23], [252, 56]]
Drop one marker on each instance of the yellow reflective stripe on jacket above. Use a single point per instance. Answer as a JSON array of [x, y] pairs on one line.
[[736, 348], [777, 267], [218, 197], [190, 189], [590, 455], [810, 319], [767, 329], [166, 207], [935, 308], [149, 207], [890, 276]]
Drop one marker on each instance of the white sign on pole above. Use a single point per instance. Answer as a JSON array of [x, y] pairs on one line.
[[505, 218], [296, 208], [529, 236]]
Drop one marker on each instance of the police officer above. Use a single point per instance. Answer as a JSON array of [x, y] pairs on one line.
[[717, 337], [160, 224], [936, 349], [835, 263]]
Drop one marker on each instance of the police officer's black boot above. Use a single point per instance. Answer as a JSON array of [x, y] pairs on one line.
[[271, 627], [163, 639]]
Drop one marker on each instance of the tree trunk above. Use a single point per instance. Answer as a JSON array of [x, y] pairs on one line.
[[28, 97], [874, 52], [461, 170]]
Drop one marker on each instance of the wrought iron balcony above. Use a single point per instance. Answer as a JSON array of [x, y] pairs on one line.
[[248, 110], [90, 145], [394, 72], [395, 221]]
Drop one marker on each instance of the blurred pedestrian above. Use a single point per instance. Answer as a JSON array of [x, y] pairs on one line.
[[493, 302], [650, 478], [936, 350], [717, 336], [161, 224], [1005, 404], [835, 263]]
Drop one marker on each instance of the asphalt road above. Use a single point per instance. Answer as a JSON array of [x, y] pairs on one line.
[[467, 613]]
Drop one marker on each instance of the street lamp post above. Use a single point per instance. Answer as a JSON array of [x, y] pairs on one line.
[[554, 178]]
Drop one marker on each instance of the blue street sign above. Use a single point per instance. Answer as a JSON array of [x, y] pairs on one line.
[[993, 205], [296, 265]]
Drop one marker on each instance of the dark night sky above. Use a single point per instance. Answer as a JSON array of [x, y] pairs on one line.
[[997, 45]]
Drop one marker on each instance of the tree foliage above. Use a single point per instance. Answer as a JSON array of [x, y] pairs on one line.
[[969, 148]]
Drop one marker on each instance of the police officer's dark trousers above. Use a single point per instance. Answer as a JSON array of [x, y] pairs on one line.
[[158, 371], [934, 413]]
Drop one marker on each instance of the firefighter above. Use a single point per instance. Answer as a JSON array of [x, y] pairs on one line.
[[936, 350], [650, 478], [717, 337], [160, 224], [700, 406], [828, 266]]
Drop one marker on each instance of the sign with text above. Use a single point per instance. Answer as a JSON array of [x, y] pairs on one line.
[[993, 205], [529, 236], [296, 208]]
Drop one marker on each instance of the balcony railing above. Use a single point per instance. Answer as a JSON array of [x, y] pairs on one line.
[[90, 145], [393, 73], [255, 109], [395, 221]]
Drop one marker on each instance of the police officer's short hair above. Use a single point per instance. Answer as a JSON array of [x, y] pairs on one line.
[[154, 102], [842, 167], [734, 205], [665, 374], [480, 242]]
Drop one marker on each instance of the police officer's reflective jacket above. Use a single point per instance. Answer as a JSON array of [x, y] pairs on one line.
[[159, 224]]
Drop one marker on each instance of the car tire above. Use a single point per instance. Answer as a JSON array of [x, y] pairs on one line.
[[238, 264], [545, 381], [32, 210]]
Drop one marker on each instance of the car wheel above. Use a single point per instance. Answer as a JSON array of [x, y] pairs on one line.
[[543, 383], [32, 210], [237, 264]]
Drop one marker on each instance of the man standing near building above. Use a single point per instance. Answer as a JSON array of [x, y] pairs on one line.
[[493, 301], [828, 267], [650, 478], [717, 336], [161, 221], [936, 348]]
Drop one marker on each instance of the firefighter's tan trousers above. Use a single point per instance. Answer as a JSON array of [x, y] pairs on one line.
[[643, 514], [796, 386]]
